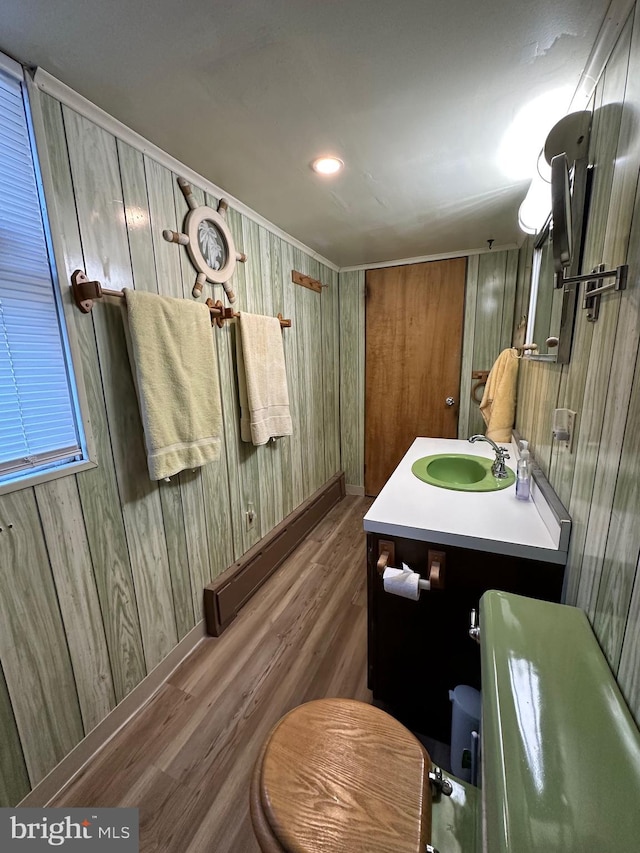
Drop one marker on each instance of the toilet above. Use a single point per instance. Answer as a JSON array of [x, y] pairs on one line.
[[338, 775], [560, 758]]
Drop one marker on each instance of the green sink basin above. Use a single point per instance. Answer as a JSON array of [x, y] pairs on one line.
[[461, 472]]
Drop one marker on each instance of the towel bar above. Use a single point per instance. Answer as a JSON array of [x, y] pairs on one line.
[[86, 292]]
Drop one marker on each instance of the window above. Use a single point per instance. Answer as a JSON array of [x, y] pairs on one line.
[[40, 427]]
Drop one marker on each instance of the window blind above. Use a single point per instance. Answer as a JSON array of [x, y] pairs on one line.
[[37, 411]]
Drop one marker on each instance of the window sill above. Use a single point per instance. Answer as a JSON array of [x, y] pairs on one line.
[[27, 480]]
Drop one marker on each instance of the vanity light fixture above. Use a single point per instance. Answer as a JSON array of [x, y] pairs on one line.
[[570, 135], [535, 208], [327, 165]]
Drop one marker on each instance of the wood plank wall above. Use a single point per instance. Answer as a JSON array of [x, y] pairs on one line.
[[489, 324], [598, 480], [102, 573], [352, 310]]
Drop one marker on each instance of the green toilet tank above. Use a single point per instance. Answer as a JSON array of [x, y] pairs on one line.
[[560, 751]]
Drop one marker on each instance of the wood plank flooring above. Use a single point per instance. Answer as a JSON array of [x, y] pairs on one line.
[[186, 759]]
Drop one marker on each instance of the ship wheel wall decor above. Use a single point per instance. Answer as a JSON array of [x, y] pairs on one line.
[[209, 243]]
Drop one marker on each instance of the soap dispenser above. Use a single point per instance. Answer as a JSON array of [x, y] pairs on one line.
[[523, 481]]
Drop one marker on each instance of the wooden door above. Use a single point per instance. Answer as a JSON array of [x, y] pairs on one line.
[[413, 321]]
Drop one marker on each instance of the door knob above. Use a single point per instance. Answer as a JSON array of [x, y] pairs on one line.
[[449, 401]]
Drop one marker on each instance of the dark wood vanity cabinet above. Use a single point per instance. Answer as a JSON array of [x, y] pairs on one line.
[[419, 650]]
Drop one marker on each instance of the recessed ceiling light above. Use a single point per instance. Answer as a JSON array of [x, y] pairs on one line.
[[327, 165]]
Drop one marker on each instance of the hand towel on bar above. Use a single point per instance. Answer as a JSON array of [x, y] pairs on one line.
[[498, 405], [262, 379], [174, 367]]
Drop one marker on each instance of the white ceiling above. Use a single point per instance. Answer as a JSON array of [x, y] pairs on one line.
[[416, 96]]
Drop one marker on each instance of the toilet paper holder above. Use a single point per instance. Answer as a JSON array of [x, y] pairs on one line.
[[436, 563], [436, 560], [386, 555]]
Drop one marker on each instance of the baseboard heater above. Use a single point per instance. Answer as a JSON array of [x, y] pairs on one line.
[[224, 596]]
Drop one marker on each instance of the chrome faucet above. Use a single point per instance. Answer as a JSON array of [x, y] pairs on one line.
[[498, 469]]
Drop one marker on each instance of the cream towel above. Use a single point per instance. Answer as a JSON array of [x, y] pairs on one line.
[[262, 379], [498, 405], [173, 362]]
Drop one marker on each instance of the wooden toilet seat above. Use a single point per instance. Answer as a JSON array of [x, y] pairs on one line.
[[337, 775]]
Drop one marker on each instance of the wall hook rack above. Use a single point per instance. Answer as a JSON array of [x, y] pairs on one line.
[[594, 288]]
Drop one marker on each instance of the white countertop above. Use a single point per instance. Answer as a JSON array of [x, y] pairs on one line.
[[488, 521]]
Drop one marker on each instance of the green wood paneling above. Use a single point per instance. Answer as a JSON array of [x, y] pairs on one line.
[[182, 498], [279, 284], [603, 147], [205, 493], [72, 568], [523, 283], [98, 194], [257, 246], [573, 375], [331, 370], [304, 300], [14, 780], [623, 543], [272, 303], [351, 300], [316, 391], [250, 300], [469, 412], [489, 309], [293, 493], [136, 213], [98, 491], [598, 480], [623, 196], [172, 263], [141, 247], [509, 299], [491, 287], [629, 670], [33, 647], [281, 449], [621, 235], [115, 564], [226, 348], [599, 361]]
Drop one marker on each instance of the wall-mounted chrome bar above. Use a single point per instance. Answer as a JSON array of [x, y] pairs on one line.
[[594, 289]]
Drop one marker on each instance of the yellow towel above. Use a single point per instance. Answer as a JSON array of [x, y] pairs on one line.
[[262, 379], [173, 362], [498, 405]]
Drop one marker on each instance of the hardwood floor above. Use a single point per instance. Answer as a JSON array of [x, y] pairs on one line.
[[186, 759]]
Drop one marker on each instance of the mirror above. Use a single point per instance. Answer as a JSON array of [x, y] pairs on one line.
[[552, 304], [558, 248], [545, 302]]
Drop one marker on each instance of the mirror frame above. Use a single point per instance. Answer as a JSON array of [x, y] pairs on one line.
[[580, 200], [562, 239]]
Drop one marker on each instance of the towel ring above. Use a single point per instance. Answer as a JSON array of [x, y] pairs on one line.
[[481, 377]]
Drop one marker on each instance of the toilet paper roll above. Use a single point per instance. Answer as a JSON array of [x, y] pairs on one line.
[[402, 582]]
